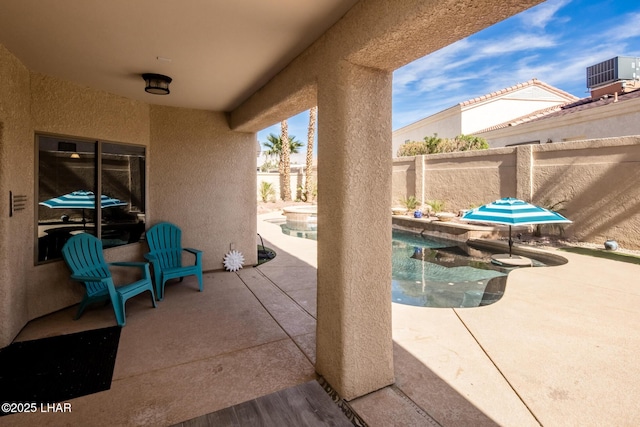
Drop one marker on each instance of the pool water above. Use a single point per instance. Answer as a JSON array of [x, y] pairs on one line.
[[305, 230], [432, 272]]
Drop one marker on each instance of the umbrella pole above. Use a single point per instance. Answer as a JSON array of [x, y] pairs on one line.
[[510, 242]]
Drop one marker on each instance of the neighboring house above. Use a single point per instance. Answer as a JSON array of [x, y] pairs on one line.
[[603, 116], [471, 116]]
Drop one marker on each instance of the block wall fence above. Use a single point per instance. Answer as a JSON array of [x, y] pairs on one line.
[[297, 181], [597, 181]]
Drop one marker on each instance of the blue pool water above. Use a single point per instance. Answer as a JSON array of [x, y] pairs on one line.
[[431, 272]]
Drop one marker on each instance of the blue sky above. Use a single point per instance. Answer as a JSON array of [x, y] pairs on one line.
[[554, 42]]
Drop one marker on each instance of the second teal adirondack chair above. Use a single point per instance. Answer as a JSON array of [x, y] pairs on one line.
[[165, 246], [83, 255]]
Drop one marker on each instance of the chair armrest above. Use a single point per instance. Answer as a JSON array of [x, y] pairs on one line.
[[129, 264], [197, 253], [151, 257], [89, 278], [146, 273]]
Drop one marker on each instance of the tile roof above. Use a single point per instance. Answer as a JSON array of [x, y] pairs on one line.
[[532, 82], [564, 110]]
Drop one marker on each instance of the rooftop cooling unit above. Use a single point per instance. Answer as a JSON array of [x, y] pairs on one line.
[[612, 70]]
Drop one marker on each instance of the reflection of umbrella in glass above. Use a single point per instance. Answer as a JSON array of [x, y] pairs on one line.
[[510, 211], [81, 200]]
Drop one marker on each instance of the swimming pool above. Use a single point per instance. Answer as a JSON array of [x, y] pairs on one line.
[[433, 272], [303, 230]]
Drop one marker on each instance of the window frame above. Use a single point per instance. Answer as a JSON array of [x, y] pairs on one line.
[[98, 153]]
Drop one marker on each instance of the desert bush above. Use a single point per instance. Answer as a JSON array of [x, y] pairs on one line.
[[266, 191], [434, 144], [436, 205], [411, 203]]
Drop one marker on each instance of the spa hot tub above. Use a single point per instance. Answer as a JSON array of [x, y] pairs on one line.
[[301, 217]]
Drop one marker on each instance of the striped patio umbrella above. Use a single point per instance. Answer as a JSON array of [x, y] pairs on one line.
[[510, 211], [81, 200]]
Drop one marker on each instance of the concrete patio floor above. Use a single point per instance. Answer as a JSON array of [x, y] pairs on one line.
[[558, 349]]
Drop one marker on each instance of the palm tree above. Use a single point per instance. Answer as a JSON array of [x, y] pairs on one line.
[[285, 173], [307, 195], [273, 148]]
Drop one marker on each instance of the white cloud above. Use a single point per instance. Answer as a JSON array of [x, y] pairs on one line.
[[541, 15], [629, 27], [453, 65], [521, 42], [430, 64]]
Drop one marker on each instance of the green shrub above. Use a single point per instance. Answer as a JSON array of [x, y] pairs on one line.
[[434, 144], [411, 203], [266, 191], [469, 142], [436, 205], [411, 148]]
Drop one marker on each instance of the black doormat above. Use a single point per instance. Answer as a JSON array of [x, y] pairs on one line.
[[57, 369]]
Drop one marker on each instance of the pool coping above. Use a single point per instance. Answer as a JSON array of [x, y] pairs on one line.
[[450, 230], [545, 256]]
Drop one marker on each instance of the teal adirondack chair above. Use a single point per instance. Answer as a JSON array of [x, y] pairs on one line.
[[83, 255], [165, 246]]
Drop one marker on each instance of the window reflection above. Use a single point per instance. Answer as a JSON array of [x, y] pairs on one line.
[[123, 169], [68, 173], [64, 166]]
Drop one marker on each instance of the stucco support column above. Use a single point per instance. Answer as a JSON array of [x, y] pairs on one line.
[[354, 344], [524, 173]]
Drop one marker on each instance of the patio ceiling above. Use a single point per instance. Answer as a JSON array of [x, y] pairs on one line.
[[217, 52]]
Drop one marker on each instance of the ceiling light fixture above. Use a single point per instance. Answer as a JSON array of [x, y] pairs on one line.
[[156, 84]]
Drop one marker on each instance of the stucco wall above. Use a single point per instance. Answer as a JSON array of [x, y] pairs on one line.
[[468, 179], [353, 308], [202, 176], [61, 107], [612, 120], [273, 178], [16, 162], [193, 159], [70, 109], [497, 111], [596, 180], [404, 179], [599, 181]]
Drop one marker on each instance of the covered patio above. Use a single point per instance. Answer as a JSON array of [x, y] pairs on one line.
[[78, 75], [555, 350]]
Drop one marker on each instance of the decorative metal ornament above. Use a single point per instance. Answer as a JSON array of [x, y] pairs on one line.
[[233, 261]]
